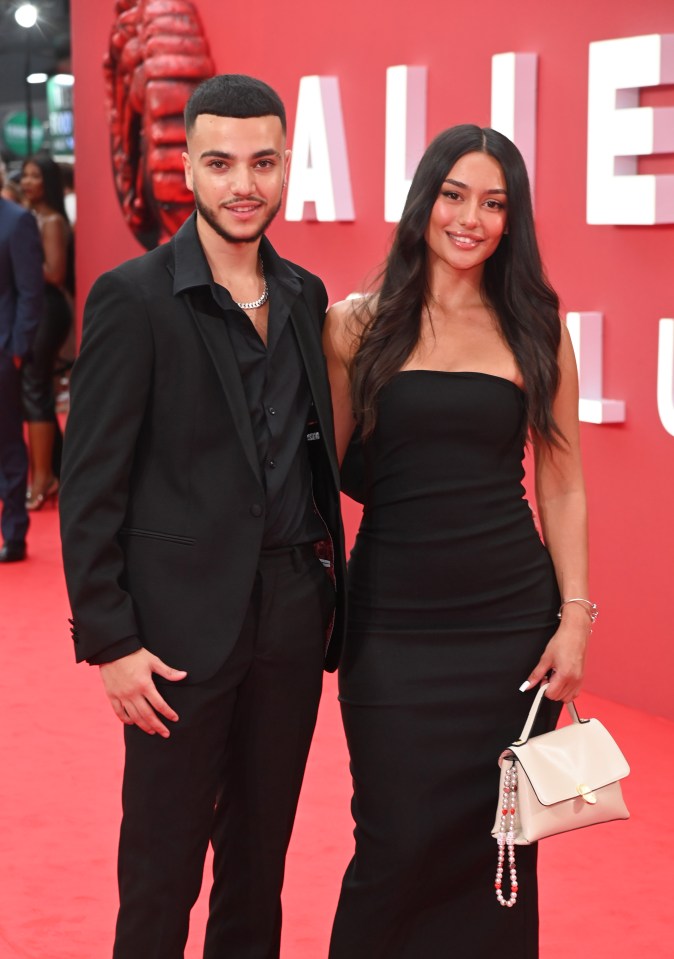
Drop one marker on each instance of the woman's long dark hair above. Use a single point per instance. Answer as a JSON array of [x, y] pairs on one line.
[[513, 285], [52, 181]]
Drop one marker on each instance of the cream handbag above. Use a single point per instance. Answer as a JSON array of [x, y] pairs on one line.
[[562, 780]]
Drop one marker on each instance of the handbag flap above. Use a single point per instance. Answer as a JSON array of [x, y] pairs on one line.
[[566, 762]]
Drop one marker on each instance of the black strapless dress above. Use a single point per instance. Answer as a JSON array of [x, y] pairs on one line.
[[453, 597]]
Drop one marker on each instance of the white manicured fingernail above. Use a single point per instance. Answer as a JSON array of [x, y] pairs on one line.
[[525, 685]]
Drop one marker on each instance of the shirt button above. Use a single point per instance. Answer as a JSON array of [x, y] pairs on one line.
[[272, 464], [272, 410], [256, 510]]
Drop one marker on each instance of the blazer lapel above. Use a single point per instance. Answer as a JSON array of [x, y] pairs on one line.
[[314, 364], [217, 343]]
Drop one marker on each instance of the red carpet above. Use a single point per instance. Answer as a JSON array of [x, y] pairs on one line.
[[605, 891]]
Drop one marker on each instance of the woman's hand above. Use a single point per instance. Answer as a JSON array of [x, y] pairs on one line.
[[564, 656]]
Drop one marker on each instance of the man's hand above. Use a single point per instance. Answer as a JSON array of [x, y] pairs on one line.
[[133, 694]]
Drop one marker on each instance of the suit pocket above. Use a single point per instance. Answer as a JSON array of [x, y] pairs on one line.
[[161, 537]]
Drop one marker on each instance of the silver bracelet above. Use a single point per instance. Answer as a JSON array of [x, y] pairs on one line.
[[590, 608]]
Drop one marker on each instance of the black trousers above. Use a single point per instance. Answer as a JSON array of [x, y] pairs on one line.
[[13, 456], [230, 773]]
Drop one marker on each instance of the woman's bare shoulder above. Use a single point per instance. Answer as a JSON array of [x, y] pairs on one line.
[[344, 325], [53, 221], [353, 314]]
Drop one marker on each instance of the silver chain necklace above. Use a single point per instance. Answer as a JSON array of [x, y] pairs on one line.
[[261, 300]]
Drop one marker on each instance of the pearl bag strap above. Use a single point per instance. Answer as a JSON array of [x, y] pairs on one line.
[[505, 838]]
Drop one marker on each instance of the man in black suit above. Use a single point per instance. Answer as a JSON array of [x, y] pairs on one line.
[[21, 304], [199, 488]]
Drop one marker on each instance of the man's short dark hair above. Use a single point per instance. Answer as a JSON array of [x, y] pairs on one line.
[[234, 95]]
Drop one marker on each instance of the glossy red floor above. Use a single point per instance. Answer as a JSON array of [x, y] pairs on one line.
[[605, 891]]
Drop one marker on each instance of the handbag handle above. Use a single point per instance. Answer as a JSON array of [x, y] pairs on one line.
[[533, 712]]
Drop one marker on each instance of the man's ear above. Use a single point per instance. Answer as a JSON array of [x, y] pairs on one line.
[[187, 165], [287, 156]]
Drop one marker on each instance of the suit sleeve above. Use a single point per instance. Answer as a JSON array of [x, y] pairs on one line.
[[321, 300], [26, 255], [109, 394]]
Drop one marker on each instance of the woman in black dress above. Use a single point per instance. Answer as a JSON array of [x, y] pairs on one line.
[[41, 182], [448, 370]]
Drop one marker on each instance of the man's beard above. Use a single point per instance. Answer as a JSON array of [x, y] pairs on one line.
[[208, 215]]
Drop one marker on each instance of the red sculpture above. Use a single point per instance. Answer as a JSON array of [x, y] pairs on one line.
[[157, 56]]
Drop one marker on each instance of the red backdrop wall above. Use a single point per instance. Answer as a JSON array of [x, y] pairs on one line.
[[622, 271]]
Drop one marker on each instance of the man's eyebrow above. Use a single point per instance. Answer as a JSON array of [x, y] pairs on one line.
[[223, 155], [464, 186]]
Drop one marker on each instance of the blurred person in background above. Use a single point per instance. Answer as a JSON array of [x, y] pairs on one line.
[[12, 191], [21, 306], [42, 186], [68, 351], [69, 197]]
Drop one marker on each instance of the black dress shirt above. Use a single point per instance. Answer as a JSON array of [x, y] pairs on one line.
[[276, 389]]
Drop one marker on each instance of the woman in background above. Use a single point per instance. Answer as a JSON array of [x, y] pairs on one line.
[[43, 190], [455, 363]]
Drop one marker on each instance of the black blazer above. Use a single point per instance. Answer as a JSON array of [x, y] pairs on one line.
[[162, 504]]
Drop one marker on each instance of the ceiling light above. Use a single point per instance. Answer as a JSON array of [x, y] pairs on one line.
[[26, 15]]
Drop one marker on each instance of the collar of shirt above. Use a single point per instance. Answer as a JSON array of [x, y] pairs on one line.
[[192, 269]]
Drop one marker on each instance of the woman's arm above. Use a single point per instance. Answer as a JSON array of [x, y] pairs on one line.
[[562, 509], [339, 345], [55, 246]]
